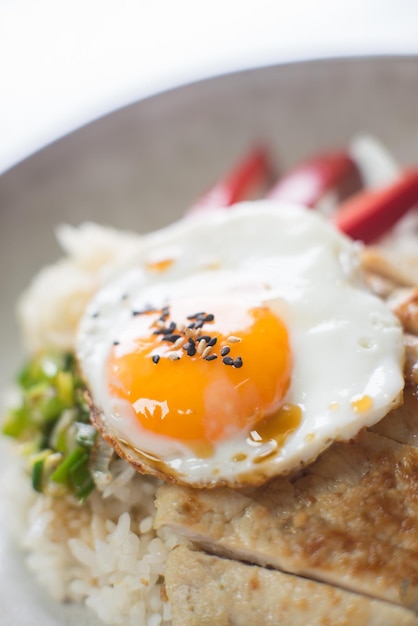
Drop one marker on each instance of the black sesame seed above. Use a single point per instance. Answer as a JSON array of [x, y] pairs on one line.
[[171, 338], [212, 341], [228, 360], [225, 350], [192, 325], [209, 318], [211, 357], [238, 362], [165, 331], [148, 308], [207, 338], [195, 315], [199, 324], [155, 358], [191, 349], [116, 343], [165, 314], [159, 331], [187, 344]]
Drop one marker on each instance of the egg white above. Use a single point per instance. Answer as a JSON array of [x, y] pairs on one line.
[[345, 343]]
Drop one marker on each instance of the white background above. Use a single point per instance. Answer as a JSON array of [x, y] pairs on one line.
[[65, 62]]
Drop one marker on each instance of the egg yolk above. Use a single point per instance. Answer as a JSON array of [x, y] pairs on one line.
[[201, 376]]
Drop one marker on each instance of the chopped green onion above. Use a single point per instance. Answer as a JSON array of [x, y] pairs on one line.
[[37, 473], [16, 423], [80, 477], [43, 367], [52, 424], [37, 391], [65, 387], [62, 473], [49, 409], [85, 491], [86, 434], [38, 470], [61, 435]]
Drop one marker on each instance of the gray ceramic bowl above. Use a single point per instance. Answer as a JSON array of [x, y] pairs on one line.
[[141, 166]]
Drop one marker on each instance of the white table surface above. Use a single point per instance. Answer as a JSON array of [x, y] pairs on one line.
[[64, 63]]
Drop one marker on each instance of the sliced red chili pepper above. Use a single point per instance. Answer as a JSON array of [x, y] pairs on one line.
[[370, 214], [251, 173], [308, 182]]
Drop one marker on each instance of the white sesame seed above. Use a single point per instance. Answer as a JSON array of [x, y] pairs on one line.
[[206, 351], [233, 339], [173, 356], [201, 346], [179, 343]]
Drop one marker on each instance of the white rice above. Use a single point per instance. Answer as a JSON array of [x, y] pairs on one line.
[[104, 553], [50, 309]]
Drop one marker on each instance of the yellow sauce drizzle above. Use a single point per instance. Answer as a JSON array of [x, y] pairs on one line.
[[202, 449], [240, 456], [160, 266], [271, 432], [362, 404]]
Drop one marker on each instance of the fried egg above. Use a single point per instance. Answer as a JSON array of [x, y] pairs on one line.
[[238, 346]]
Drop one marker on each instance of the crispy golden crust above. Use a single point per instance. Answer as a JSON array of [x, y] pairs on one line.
[[394, 278], [208, 591], [350, 519], [391, 267]]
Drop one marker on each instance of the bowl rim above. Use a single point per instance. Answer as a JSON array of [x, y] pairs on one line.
[[196, 83]]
